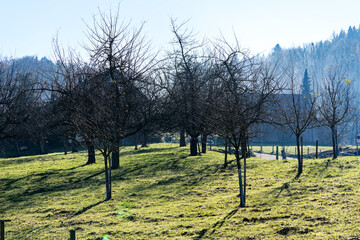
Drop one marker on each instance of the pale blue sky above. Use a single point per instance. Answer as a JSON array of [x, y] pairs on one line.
[[28, 26]]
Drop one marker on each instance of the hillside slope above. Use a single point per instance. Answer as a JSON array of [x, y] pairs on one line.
[[162, 193]]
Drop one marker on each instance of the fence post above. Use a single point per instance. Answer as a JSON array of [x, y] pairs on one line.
[[72, 234], [308, 152], [277, 152], [317, 149], [2, 228], [283, 153]]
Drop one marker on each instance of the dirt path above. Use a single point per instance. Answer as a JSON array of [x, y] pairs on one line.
[[270, 156]]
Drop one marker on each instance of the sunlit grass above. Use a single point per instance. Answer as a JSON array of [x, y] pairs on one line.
[[161, 192]]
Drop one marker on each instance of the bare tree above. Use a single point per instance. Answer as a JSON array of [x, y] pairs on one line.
[[111, 96], [123, 54], [247, 86], [187, 73], [17, 99], [335, 102], [295, 110], [83, 101]]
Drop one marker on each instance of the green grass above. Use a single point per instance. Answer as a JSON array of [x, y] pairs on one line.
[[162, 193]]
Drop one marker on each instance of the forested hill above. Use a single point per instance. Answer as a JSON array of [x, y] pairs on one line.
[[341, 50]]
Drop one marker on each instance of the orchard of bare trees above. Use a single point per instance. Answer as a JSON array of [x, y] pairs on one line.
[[124, 87]]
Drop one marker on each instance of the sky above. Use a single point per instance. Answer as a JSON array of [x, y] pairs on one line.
[[27, 28]]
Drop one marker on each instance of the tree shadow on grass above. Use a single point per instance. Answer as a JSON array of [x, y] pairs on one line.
[[42, 176], [174, 162], [29, 193], [285, 186], [150, 167], [327, 164], [191, 178], [32, 158], [136, 170], [143, 150], [20, 160], [88, 207], [35, 183], [89, 177], [217, 225]]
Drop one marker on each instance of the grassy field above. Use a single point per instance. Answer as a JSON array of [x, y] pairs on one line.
[[162, 193]]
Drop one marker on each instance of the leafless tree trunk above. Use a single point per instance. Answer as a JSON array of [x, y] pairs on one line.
[[17, 148], [245, 88], [203, 142], [226, 153], [193, 145], [91, 153], [107, 177], [65, 145], [144, 140], [188, 73], [182, 138], [299, 157], [297, 111], [74, 147], [334, 142], [240, 177], [115, 156], [42, 145]]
